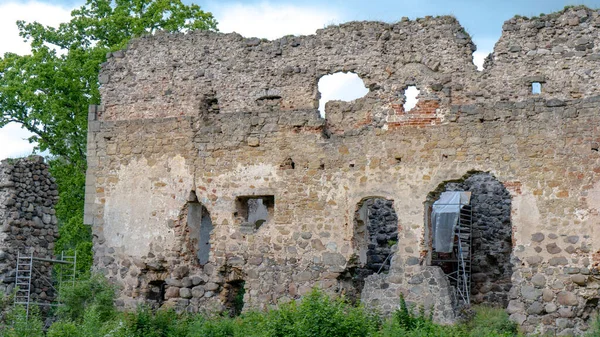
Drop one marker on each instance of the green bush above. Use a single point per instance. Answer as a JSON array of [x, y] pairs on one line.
[[315, 315], [18, 324], [63, 329], [490, 321], [219, 327], [410, 320], [94, 294], [319, 315], [594, 328], [162, 323]]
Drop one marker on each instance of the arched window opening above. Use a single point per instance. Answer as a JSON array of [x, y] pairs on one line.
[[200, 227], [340, 86], [469, 235]]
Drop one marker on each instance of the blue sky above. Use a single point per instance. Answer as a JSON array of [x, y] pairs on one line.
[[483, 19]]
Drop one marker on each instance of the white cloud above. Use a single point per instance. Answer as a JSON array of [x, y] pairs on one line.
[[12, 137], [10, 12], [271, 21]]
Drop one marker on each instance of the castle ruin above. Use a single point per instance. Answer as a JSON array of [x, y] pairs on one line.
[[212, 176]]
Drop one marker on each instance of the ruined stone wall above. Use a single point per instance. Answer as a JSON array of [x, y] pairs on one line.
[[225, 116], [28, 223]]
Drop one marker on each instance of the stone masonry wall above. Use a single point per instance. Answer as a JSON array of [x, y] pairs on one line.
[[27, 221], [226, 116]]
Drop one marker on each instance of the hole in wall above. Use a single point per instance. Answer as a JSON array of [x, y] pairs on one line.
[[233, 292], [375, 234], [479, 58], [482, 234], [254, 211], [536, 88], [200, 227], [156, 292], [410, 97], [340, 86], [287, 164]]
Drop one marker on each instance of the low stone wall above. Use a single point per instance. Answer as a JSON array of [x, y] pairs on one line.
[[28, 224]]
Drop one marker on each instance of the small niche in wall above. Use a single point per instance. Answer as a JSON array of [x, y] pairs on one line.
[[536, 88], [254, 211], [156, 292]]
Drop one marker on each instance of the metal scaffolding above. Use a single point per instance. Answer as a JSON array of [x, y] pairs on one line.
[[26, 271], [456, 264]]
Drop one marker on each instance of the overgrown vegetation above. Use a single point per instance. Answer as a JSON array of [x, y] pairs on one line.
[[89, 312]]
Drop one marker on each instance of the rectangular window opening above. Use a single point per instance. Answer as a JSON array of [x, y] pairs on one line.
[[536, 88], [254, 211]]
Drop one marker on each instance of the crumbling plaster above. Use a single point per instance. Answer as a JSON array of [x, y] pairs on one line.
[[218, 114]]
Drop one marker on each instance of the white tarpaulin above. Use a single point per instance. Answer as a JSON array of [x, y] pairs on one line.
[[444, 218]]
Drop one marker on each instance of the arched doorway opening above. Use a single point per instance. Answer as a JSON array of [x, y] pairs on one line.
[[489, 238], [375, 235]]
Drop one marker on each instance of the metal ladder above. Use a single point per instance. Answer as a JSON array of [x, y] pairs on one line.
[[25, 272], [66, 272], [23, 280], [464, 238]]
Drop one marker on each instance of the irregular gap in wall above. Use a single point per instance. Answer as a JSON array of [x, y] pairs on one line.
[[156, 293], [340, 86], [210, 103], [287, 164], [410, 97], [375, 235], [491, 248], [200, 227], [233, 293], [479, 59], [253, 211], [206, 227]]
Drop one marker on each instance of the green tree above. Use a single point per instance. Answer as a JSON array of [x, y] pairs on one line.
[[48, 92]]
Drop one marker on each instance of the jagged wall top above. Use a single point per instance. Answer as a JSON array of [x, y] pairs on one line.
[[169, 75], [175, 71]]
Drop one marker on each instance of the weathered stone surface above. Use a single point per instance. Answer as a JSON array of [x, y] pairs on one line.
[[172, 292], [537, 237], [28, 223], [538, 280], [515, 306], [535, 308], [547, 295], [553, 248], [530, 293], [185, 293], [567, 298], [579, 279]]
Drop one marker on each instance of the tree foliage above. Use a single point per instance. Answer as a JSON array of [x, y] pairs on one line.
[[48, 91]]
